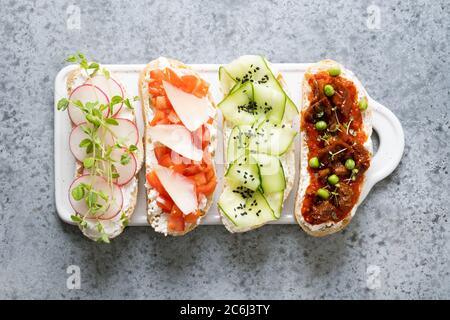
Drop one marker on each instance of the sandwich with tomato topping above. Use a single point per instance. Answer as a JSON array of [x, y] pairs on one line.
[[336, 150], [180, 144]]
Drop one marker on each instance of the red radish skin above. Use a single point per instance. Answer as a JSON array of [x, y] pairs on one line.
[[126, 172], [123, 96], [110, 87], [75, 114], [81, 208], [127, 130]]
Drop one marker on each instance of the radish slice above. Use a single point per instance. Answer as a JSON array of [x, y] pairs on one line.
[[86, 93], [177, 138], [125, 132], [110, 87], [77, 135], [192, 111], [126, 172], [113, 192], [179, 188]]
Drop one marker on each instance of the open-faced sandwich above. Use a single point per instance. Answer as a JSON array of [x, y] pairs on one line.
[[180, 143], [107, 147], [258, 149], [335, 148]]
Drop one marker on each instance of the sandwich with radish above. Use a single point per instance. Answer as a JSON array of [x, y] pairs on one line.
[[107, 147], [258, 143], [336, 150], [180, 144]]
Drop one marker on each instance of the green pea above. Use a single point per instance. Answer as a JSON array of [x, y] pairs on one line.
[[334, 71], [350, 164], [328, 90], [354, 173], [321, 125], [78, 193], [333, 179], [363, 104], [314, 162], [323, 193]]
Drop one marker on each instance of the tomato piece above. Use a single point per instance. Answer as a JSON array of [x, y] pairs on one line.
[[178, 168], [191, 170], [165, 204], [157, 74], [199, 179], [155, 91], [153, 180], [162, 103], [176, 219], [189, 83], [166, 160], [208, 188], [176, 223], [158, 118], [193, 216], [201, 90], [161, 151], [173, 78], [209, 173]]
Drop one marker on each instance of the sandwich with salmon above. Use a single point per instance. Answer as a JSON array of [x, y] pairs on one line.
[[180, 145], [107, 148]]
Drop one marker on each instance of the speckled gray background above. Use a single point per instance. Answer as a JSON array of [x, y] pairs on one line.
[[402, 227]]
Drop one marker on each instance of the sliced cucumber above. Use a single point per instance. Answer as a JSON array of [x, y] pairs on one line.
[[270, 102], [271, 173], [235, 87], [275, 201], [244, 171], [290, 105], [238, 142], [256, 68], [238, 107], [226, 80], [272, 139], [244, 207], [250, 68], [290, 111]]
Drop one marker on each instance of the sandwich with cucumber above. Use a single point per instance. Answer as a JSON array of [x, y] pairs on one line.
[[107, 147], [258, 143], [180, 145], [336, 150]]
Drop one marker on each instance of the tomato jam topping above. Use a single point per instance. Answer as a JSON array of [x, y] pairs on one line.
[[334, 132]]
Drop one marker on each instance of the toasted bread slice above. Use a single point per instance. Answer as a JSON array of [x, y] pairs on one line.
[[328, 227], [114, 226], [287, 160], [156, 218]]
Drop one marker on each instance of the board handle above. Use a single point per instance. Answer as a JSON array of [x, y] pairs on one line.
[[390, 149]]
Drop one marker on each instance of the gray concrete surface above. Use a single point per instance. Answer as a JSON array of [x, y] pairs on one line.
[[396, 247]]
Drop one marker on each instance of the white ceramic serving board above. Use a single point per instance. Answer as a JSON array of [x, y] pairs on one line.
[[387, 126]]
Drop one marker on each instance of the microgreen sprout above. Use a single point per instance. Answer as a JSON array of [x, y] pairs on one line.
[[90, 68], [332, 155]]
